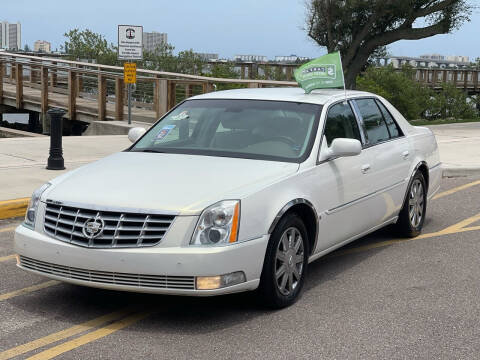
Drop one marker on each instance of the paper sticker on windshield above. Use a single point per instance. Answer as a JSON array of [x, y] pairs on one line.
[[182, 116], [164, 132]]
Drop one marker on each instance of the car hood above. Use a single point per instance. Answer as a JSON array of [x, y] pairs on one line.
[[182, 184]]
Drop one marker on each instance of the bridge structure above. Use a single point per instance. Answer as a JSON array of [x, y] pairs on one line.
[[96, 93]]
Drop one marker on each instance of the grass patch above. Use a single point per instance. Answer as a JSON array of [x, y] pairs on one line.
[[442, 121]]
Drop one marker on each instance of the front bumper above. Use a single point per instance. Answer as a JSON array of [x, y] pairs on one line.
[[158, 262]]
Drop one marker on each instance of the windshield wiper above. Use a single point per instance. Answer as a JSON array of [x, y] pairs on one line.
[[149, 150]]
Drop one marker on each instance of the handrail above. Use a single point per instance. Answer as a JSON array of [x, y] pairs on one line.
[[153, 72]]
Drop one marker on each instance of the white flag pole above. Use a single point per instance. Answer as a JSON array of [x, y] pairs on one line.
[[343, 77]]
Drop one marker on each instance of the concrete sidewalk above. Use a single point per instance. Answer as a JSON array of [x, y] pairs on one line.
[[459, 146], [23, 160]]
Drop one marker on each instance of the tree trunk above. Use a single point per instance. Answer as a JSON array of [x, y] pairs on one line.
[[354, 67]]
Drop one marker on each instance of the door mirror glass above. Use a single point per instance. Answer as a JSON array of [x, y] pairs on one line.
[[135, 133], [341, 147]]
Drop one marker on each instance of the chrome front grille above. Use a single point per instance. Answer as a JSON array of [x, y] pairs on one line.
[[105, 277], [119, 229]]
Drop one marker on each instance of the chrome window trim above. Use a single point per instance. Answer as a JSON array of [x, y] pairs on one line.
[[362, 198], [325, 123], [360, 119]]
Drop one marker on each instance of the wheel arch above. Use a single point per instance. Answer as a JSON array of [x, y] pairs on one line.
[[307, 212], [423, 168]]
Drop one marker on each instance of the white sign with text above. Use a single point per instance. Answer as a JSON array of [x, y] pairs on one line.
[[130, 42]]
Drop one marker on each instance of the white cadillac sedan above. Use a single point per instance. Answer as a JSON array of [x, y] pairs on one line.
[[234, 191]]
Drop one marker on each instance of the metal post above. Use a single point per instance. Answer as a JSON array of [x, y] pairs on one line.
[[129, 103], [55, 160]]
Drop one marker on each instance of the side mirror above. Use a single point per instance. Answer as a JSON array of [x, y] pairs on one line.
[[135, 133], [343, 147]]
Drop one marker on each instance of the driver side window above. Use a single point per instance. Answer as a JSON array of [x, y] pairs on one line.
[[341, 123]]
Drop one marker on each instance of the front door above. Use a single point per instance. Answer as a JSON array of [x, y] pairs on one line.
[[343, 183]]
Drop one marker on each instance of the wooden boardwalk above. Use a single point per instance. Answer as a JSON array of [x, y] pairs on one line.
[[86, 106], [94, 92]]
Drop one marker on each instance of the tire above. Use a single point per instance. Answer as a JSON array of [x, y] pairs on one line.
[[412, 216], [284, 290]]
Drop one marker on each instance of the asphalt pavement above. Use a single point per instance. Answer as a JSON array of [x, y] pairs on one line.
[[380, 297]]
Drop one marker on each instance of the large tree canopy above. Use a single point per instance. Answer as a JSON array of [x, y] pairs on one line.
[[357, 28]]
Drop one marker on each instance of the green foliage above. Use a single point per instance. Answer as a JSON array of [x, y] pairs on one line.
[[452, 103], [398, 87], [90, 46], [414, 100], [358, 28]]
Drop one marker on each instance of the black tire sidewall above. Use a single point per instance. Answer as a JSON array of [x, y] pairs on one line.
[[268, 287], [404, 221]]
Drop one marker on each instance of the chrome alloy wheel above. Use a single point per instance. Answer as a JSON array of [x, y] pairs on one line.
[[416, 203], [289, 261]]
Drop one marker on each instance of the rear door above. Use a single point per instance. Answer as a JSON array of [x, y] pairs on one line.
[[389, 152]]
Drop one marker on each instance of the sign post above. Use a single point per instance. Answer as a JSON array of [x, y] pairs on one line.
[[130, 48], [129, 77]]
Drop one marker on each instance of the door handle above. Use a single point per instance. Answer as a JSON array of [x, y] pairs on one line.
[[365, 168], [405, 154]]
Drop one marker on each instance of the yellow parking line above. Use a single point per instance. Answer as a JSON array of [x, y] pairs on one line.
[[89, 337], [28, 290], [13, 208], [8, 229], [74, 330], [454, 229], [8, 257], [454, 190]]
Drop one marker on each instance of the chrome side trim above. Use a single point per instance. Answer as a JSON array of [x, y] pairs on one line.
[[434, 167], [314, 257], [360, 199], [287, 207]]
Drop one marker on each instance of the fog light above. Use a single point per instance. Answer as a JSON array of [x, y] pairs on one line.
[[220, 281]]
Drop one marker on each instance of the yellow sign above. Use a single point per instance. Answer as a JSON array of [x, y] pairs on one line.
[[130, 73]]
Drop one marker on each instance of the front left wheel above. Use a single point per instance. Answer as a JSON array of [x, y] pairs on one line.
[[286, 262]]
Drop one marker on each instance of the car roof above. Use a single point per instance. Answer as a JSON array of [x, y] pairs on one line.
[[292, 94]]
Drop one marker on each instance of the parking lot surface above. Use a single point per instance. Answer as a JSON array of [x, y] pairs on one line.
[[380, 297]]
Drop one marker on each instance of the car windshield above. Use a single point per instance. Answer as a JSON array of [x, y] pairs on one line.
[[253, 129]]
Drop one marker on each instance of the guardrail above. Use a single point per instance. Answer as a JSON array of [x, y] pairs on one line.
[[90, 92]]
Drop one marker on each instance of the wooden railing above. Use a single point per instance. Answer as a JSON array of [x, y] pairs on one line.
[[465, 79], [90, 92]]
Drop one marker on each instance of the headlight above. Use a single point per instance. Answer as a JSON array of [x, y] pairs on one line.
[[33, 205], [218, 224]]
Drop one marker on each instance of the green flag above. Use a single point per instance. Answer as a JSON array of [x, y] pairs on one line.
[[323, 73]]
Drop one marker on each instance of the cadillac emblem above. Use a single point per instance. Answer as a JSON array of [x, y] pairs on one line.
[[93, 227]]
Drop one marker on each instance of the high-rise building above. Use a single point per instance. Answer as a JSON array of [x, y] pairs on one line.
[[153, 40], [10, 36], [42, 46]]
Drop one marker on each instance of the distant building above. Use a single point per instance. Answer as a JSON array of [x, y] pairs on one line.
[[10, 36], [251, 58], [42, 46], [153, 40], [290, 59], [452, 58], [208, 56]]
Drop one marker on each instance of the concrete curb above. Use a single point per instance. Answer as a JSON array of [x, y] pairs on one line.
[[453, 172], [13, 208]]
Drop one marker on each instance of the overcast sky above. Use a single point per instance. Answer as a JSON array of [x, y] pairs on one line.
[[227, 27]]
